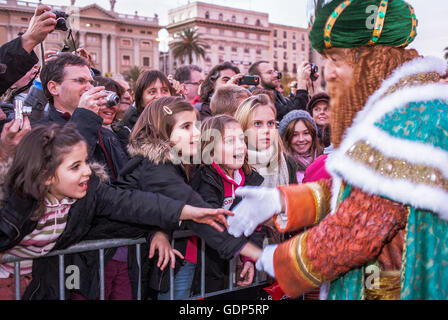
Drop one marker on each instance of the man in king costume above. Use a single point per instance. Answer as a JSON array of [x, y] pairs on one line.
[[386, 206]]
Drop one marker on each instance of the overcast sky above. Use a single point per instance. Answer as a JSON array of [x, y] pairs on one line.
[[432, 15]]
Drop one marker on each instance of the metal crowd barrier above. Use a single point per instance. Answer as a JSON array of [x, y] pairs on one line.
[[100, 245]]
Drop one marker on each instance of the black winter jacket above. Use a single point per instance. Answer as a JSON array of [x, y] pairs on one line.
[[124, 127], [16, 61], [150, 169], [208, 183], [127, 206], [284, 105]]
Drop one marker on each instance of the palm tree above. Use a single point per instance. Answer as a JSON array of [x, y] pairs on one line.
[[131, 75], [188, 44], [69, 42]]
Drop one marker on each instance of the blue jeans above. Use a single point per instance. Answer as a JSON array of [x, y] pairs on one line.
[[182, 283]]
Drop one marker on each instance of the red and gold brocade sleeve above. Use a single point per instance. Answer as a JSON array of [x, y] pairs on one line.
[[350, 238], [306, 205]]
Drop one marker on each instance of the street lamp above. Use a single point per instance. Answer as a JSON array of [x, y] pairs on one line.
[[164, 40]]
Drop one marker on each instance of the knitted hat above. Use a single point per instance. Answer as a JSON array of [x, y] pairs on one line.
[[356, 23], [318, 97], [294, 115]]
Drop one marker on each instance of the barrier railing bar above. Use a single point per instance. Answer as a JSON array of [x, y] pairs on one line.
[[172, 276], [61, 278], [101, 245], [17, 279], [139, 283], [101, 253], [202, 268]]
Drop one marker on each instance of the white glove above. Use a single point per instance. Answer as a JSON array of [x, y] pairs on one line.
[[258, 205], [266, 261]]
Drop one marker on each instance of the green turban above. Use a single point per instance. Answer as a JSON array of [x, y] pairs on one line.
[[356, 23]]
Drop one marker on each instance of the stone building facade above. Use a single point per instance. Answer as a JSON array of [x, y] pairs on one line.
[[116, 41]]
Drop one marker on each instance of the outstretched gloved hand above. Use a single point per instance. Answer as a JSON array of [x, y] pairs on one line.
[[258, 205], [266, 261]]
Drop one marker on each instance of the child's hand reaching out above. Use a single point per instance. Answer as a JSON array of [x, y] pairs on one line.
[[161, 243]]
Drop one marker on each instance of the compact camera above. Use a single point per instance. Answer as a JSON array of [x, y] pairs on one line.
[[112, 99], [314, 71], [61, 20]]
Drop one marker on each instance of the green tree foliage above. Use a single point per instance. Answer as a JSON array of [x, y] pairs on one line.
[[188, 44]]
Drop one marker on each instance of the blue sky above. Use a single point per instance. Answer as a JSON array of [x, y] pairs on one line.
[[431, 40]]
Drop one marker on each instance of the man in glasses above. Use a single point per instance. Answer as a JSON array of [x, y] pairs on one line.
[[190, 77], [270, 80], [68, 84]]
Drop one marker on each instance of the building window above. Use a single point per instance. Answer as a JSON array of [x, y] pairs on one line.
[[221, 17], [294, 46], [146, 44], [258, 23], [246, 49], [233, 18], [285, 55], [221, 59], [275, 43], [122, 30], [275, 55], [246, 20], [285, 34], [285, 45], [303, 47], [24, 19], [275, 65], [275, 32], [130, 30], [234, 49], [294, 36], [285, 67], [146, 61], [94, 57], [221, 47], [91, 38], [303, 37], [207, 15], [126, 60], [294, 68], [126, 42]]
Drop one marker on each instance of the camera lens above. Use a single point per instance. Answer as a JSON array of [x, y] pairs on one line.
[[112, 99]]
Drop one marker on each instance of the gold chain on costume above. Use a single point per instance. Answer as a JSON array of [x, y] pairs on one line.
[[413, 29], [394, 168], [379, 22], [331, 21], [413, 80]]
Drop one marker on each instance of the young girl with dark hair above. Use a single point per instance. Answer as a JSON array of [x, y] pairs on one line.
[[52, 198], [162, 144]]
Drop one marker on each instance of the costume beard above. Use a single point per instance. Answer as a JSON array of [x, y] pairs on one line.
[[345, 102]]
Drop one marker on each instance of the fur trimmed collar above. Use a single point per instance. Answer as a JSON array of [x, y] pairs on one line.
[[158, 151]]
